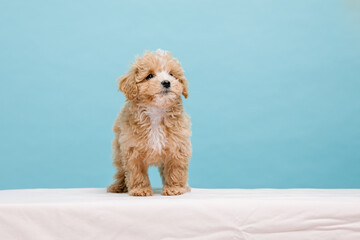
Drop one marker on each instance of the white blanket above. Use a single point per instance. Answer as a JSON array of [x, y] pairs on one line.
[[271, 214]]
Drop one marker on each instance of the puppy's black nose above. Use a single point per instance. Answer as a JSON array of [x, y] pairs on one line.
[[165, 83]]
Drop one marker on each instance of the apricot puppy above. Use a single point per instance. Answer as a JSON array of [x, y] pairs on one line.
[[152, 127]]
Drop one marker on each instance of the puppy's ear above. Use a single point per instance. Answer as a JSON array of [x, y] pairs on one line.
[[185, 87], [127, 84]]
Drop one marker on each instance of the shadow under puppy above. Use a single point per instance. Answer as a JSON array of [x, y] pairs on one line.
[[152, 127]]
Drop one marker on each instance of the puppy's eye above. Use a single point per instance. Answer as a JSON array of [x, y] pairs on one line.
[[171, 74], [149, 76]]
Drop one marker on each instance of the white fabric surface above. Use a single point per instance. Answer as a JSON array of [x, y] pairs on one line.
[[261, 214]]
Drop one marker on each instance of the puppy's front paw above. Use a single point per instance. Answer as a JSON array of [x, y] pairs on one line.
[[174, 190], [142, 192]]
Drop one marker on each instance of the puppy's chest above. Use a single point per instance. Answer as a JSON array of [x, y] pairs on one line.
[[156, 131]]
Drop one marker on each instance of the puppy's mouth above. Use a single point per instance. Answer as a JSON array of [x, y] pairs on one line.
[[165, 92]]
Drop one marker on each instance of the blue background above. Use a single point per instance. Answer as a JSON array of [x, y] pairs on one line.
[[274, 89]]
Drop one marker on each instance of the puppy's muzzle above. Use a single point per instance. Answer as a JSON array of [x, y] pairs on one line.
[[166, 84]]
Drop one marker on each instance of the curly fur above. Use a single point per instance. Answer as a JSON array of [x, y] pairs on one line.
[[152, 128]]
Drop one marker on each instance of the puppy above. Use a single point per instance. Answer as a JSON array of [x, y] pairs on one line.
[[152, 127]]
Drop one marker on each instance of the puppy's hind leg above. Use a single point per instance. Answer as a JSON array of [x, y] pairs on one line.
[[161, 171], [119, 186]]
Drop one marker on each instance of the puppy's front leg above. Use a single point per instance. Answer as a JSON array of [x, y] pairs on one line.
[[175, 175], [137, 179]]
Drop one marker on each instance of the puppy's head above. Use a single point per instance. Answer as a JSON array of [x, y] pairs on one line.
[[156, 79]]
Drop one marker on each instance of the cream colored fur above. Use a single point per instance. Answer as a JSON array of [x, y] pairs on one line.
[[152, 128]]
